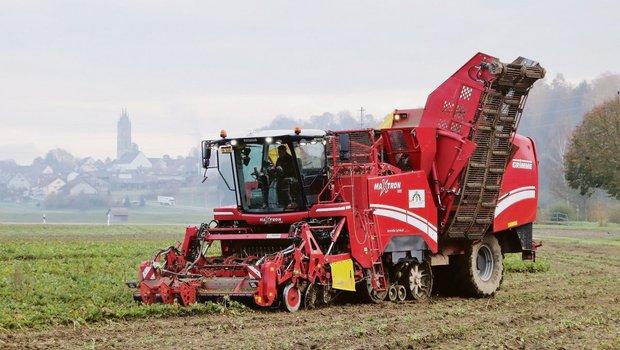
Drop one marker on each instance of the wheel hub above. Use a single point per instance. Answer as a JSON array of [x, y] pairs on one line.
[[484, 263], [415, 278], [420, 281], [291, 297]]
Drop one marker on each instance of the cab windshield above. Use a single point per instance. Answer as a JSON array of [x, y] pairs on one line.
[[281, 177]]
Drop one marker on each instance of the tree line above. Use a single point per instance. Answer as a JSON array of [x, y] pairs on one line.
[[557, 116]]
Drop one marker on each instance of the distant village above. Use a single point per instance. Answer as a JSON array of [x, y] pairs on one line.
[[60, 180]]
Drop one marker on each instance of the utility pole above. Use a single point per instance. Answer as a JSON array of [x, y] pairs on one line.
[[361, 117]]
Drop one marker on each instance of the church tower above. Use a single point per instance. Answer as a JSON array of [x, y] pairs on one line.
[[123, 135]]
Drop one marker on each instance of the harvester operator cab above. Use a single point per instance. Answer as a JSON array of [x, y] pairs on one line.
[[272, 171]]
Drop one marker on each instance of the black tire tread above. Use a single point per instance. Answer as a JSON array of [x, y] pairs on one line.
[[465, 270]]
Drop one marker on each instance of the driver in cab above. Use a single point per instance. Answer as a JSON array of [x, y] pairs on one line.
[[284, 166]]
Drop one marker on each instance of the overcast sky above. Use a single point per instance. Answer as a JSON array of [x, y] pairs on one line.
[[186, 69]]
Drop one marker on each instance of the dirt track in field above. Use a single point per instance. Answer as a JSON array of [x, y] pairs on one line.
[[575, 305]]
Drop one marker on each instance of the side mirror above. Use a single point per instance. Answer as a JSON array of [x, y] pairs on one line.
[[206, 154], [345, 147]]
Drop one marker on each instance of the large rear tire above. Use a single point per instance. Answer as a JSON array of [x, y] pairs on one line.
[[479, 272]]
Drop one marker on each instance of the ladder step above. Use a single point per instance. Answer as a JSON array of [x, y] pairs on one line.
[[474, 185], [507, 119], [500, 153], [492, 187], [483, 221], [496, 170], [488, 205], [477, 165], [501, 135]]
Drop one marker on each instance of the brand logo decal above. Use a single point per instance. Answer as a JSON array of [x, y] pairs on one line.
[[269, 220], [385, 186], [522, 164]]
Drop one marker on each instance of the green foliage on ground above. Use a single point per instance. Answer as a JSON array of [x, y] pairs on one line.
[[514, 263], [72, 275], [579, 225]]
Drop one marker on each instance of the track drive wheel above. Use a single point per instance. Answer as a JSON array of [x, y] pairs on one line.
[[419, 281], [481, 269], [291, 297], [327, 295], [368, 292]]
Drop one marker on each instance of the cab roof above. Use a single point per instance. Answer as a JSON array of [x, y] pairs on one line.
[[284, 134], [287, 132]]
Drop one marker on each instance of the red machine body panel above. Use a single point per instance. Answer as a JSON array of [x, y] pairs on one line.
[[453, 105], [518, 198], [407, 117], [259, 219], [403, 205]]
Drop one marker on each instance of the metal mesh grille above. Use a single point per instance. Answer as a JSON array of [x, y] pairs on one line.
[[360, 145]]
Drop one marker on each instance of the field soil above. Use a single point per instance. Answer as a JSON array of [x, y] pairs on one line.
[[573, 305]]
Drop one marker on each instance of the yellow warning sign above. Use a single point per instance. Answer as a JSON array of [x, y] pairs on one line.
[[342, 275]]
